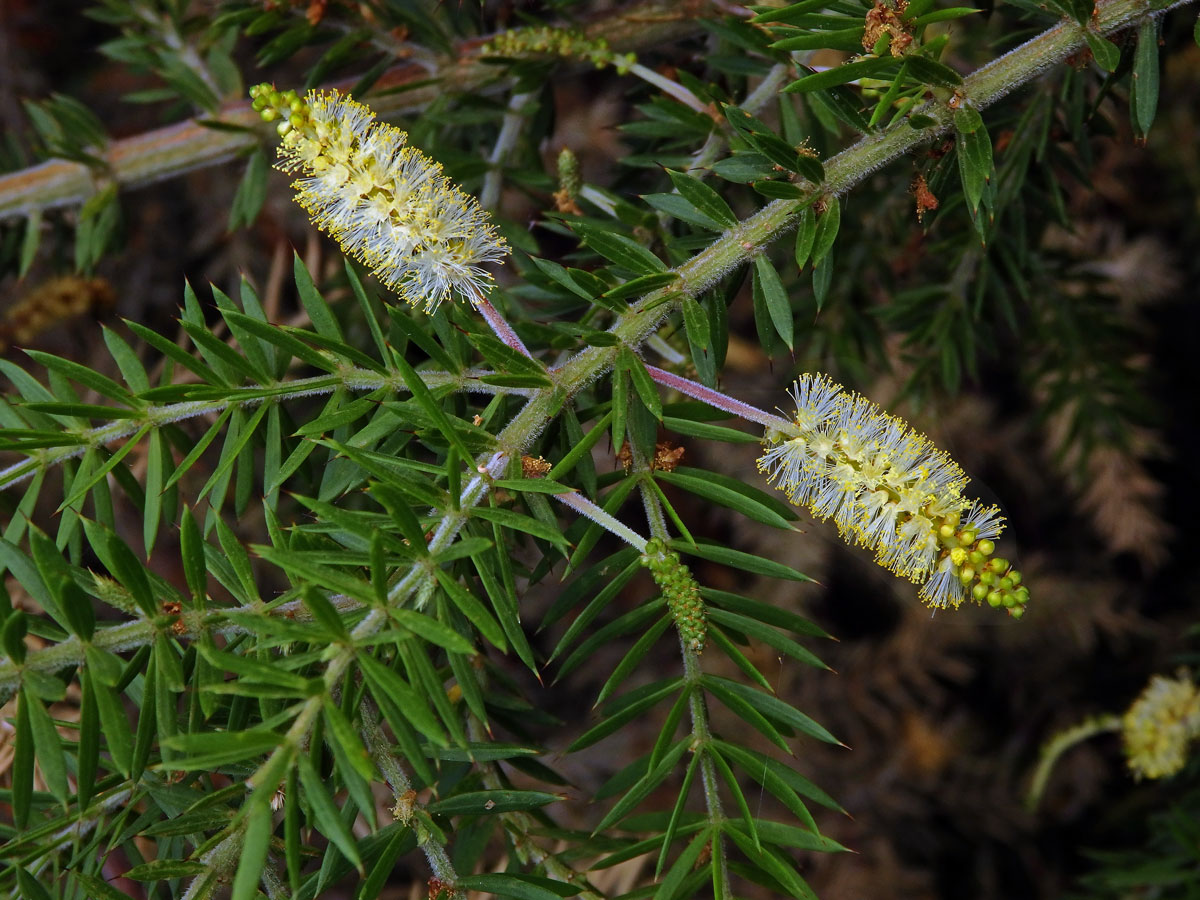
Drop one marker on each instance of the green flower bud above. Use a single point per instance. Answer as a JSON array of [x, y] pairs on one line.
[[680, 591]]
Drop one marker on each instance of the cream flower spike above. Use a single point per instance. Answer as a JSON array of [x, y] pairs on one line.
[[1159, 726], [887, 487], [387, 204]]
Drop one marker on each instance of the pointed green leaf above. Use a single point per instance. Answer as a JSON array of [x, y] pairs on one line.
[[507, 518], [716, 492], [737, 559], [642, 382], [773, 708], [176, 353], [618, 249], [669, 833], [22, 764], [930, 71], [1145, 77], [326, 817], [318, 310], [761, 770], [679, 208], [97, 889], [251, 192], [635, 655], [644, 786], [777, 867], [1105, 52], [166, 870], [432, 408], [115, 723], [767, 635], [827, 226], [695, 320], [685, 866], [470, 606], [130, 572], [738, 658], [703, 197], [29, 242], [478, 803], [46, 741], [626, 710], [385, 681], [82, 375], [340, 730], [89, 741], [517, 886], [846, 72], [849, 39], [637, 287], [634, 620], [253, 856]]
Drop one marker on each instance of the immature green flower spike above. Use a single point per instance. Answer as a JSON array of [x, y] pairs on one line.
[[387, 204], [890, 489], [680, 591], [1160, 724], [557, 42]]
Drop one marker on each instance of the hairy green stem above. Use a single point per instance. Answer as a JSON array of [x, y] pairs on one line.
[[521, 825], [510, 133], [1053, 750], [379, 748], [221, 860], [701, 733], [766, 91], [717, 400], [157, 415], [669, 87], [605, 520]]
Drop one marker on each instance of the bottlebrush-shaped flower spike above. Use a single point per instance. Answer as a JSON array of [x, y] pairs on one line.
[[887, 487], [387, 204], [1158, 727]]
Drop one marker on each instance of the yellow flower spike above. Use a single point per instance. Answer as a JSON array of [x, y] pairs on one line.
[[887, 487], [387, 204], [1158, 727]]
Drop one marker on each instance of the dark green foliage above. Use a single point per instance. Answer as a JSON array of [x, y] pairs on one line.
[[362, 536]]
